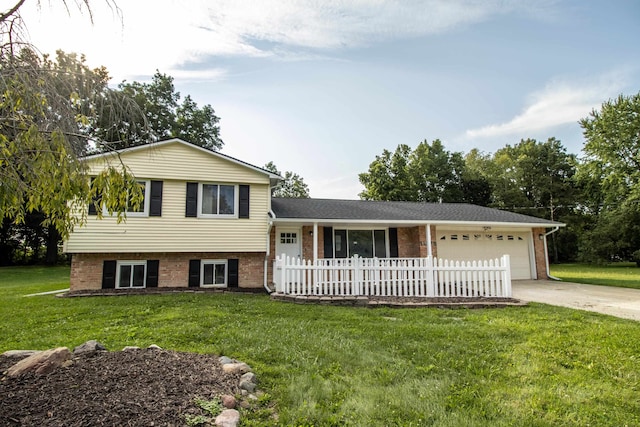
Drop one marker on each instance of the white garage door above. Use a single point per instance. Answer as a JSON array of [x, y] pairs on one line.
[[473, 246]]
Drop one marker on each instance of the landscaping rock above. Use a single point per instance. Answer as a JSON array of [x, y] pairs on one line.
[[247, 385], [41, 363], [89, 347], [224, 360], [249, 376], [131, 348], [236, 368], [19, 354], [229, 401], [228, 418], [248, 382], [154, 347]]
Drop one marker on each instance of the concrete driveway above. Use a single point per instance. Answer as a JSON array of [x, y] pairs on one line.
[[620, 302]]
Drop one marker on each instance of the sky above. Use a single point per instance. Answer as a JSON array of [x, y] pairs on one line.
[[322, 87]]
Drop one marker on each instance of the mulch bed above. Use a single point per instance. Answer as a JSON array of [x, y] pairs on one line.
[[125, 388]]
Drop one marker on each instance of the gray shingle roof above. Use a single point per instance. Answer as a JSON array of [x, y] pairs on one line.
[[330, 209]]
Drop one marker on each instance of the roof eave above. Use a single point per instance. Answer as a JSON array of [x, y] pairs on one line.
[[417, 222]]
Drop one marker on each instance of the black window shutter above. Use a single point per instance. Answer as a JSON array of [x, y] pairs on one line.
[[194, 273], [393, 242], [341, 249], [152, 273], [328, 242], [192, 200], [155, 207], [232, 274], [380, 244], [95, 200], [244, 201], [108, 274]]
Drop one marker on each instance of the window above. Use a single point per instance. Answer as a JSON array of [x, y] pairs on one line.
[[131, 274], [217, 200], [143, 209], [364, 243], [214, 273], [288, 238]]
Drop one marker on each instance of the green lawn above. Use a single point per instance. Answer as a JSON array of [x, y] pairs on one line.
[[623, 274], [334, 366]]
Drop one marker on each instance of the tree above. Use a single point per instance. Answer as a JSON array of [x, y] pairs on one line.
[[161, 116], [536, 178], [45, 111], [476, 187], [388, 177], [429, 173], [610, 174], [293, 185]]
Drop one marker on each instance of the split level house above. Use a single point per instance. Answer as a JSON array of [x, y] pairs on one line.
[[208, 220]]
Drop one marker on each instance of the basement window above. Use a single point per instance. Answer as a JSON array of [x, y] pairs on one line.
[[131, 274]]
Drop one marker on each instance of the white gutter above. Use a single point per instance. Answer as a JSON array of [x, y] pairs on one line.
[[546, 252], [411, 222], [268, 251]]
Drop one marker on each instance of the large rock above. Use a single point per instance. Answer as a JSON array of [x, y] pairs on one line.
[[236, 368], [248, 382], [229, 401], [228, 418], [41, 363], [90, 346]]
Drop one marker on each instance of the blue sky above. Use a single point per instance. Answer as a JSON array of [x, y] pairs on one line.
[[322, 87]]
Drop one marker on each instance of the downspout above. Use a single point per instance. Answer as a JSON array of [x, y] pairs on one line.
[[268, 253], [546, 252]]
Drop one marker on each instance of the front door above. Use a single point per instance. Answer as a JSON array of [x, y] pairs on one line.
[[289, 242]]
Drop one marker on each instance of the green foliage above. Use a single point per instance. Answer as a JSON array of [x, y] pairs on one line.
[[161, 116], [292, 186], [324, 365], [429, 173], [610, 178], [47, 109]]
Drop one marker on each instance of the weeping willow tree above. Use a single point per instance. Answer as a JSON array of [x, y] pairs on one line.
[[49, 108]]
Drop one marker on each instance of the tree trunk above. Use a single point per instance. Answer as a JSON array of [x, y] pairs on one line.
[[53, 238]]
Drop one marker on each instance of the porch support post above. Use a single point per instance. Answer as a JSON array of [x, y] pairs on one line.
[[429, 249], [315, 241]]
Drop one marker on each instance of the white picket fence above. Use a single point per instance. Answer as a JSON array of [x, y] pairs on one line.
[[402, 277]]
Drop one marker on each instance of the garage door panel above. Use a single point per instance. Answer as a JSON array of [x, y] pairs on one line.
[[456, 246]]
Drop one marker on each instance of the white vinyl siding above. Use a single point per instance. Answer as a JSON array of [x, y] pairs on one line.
[[178, 161], [173, 232]]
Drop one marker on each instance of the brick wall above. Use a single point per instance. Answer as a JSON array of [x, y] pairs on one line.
[[86, 269], [412, 242], [538, 247], [409, 242]]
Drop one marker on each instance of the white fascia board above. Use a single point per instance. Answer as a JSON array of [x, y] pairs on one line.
[[412, 222]]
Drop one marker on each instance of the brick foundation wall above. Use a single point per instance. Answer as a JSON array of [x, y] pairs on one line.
[[538, 248], [86, 269]]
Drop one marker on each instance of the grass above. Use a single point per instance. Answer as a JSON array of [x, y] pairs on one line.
[[622, 274], [334, 366]]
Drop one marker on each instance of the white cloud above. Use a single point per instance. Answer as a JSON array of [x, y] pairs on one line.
[[169, 34], [559, 103]]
